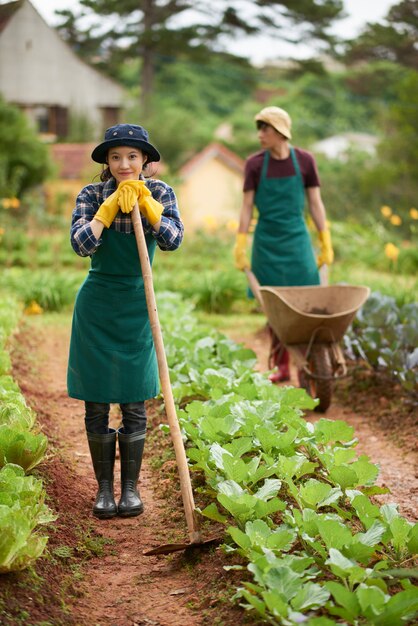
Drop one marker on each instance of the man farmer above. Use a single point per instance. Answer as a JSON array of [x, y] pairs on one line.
[[277, 179]]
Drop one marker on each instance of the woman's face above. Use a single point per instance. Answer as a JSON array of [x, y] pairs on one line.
[[125, 163]]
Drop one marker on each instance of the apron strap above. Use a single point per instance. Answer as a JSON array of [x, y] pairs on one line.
[[266, 161], [295, 163], [265, 165]]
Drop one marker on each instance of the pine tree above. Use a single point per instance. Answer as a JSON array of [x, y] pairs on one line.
[[154, 29]]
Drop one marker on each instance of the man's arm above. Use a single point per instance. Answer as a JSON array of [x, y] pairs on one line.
[[246, 211], [316, 207], [240, 248], [317, 210]]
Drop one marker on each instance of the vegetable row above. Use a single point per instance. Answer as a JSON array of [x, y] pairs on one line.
[[301, 518], [22, 497]]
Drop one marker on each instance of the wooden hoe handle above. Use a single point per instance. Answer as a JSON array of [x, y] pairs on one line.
[[181, 459]]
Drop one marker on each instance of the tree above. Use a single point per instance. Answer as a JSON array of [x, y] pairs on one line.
[[395, 41], [24, 159], [155, 29]]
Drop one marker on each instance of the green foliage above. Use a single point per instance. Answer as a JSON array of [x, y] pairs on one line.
[[22, 507], [375, 82], [293, 496], [22, 510], [52, 291], [400, 146], [387, 337], [21, 447], [24, 160], [152, 29], [397, 39], [81, 129]]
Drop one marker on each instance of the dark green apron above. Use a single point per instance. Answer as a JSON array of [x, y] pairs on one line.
[[112, 357], [282, 253]]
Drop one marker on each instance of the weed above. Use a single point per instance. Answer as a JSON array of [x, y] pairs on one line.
[[63, 552], [93, 546]]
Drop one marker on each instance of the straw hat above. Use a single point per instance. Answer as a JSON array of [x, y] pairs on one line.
[[276, 117]]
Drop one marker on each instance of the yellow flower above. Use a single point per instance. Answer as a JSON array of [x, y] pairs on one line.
[[392, 252], [10, 203], [232, 226], [386, 211], [34, 309], [413, 213], [395, 220], [210, 222], [2, 231]]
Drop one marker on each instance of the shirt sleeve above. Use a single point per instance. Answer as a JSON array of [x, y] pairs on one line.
[[171, 232], [83, 241], [309, 169], [251, 173]]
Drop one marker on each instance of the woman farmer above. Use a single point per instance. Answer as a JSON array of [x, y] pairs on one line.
[[277, 179], [112, 357]]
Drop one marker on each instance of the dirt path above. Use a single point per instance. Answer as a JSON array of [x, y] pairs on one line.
[[120, 586]]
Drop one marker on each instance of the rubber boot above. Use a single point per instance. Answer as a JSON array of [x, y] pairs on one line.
[[131, 447], [279, 357], [102, 450]]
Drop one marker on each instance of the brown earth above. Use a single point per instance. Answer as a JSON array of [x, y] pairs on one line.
[[94, 572]]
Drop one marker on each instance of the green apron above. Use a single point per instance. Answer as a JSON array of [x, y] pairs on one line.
[[112, 357], [282, 253]]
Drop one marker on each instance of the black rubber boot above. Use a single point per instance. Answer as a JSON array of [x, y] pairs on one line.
[[131, 447], [102, 450]]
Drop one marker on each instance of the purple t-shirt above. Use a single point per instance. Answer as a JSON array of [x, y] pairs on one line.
[[280, 168]]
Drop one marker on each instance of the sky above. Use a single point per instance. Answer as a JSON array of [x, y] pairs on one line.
[[259, 48]]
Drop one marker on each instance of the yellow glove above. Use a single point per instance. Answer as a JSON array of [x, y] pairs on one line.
[[151, 209], [130, 192], [127, 198], [107, 211], [326, 254], [240, 252]]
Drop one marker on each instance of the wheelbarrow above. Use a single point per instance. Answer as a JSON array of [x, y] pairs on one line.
[[310, 322]]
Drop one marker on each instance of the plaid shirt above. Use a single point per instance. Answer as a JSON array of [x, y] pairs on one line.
[[92, 196]]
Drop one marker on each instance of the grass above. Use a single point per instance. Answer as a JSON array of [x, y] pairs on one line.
[[233, 324], [404, 288]]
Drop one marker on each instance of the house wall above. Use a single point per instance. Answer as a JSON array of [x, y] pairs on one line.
[[212, 190], [38, 68]]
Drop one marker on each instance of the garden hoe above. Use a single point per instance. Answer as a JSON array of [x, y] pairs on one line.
[[195, 538]]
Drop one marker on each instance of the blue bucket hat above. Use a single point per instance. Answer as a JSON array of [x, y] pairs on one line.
[[125, 135]]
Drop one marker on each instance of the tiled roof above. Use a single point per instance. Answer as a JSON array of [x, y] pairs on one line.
[[214, 150]]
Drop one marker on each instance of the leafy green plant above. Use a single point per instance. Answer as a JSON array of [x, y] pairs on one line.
[[22, 509], [386, 336], [21, 447], [293, 495]]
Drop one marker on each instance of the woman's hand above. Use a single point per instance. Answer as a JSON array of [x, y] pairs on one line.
[[130, 192], [108, 209]]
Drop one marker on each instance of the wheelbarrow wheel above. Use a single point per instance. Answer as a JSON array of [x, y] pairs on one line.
[[320, 364]]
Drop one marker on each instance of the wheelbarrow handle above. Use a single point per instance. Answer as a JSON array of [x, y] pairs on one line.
[[175, 432], [254, 286]]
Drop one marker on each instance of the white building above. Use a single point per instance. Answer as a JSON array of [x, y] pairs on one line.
[[40, 74]]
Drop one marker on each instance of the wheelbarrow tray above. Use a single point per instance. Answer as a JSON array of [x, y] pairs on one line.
[[298, 313]]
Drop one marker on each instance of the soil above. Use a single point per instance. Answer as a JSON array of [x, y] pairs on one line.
[[94, 571]]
